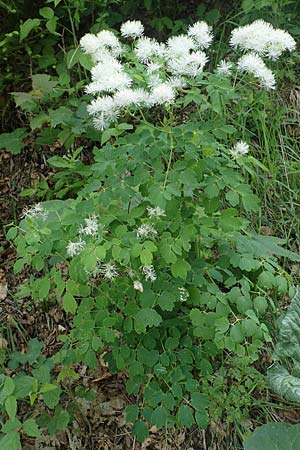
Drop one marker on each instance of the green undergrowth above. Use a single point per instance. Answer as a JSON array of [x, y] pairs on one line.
[[165, 253]]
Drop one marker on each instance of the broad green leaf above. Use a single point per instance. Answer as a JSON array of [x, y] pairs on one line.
[[262, 246], [159, 417], [51, 24], [11, 441], [284, 384], [132, 412], [69, 303], [140, 431], [185, 416], [166, 301], [11, 406], [51, 397], [288, 344], [46, 12], [26, 27], [274, 436], [180, 268], [30, 427], [13, 142], [42, 84], [146, 318]]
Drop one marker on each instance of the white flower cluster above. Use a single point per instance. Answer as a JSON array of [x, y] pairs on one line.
[[254, 64], [132, 28], [261, 40], [145, 231], [149, 273], [155, 212], [164, 65], [107, 270], [89, 228], [36, 211], [241, 148], [164, 68], [74, 248]]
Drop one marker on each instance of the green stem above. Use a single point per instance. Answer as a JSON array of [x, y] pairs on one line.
[[171, 151]]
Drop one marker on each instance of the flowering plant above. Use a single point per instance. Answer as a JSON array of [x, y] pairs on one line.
[[155, 258], [148, 73]]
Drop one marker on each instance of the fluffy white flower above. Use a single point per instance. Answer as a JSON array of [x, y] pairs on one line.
[[153, 67], [74, 248], [90, 43], [201, 34], [36, 211], [154, 79], [91, 226], [224, 68], [241, 148], [263, 39], [108, 76], [149, 273], [132, 28], [103, 120], [179, 46], [108, 270], [127, 97], [104, 42], [177, 82], [109, 42], [104, 110], [253, 63], [156, 212], [103, 104], [138, 286], [190, 65], [146, 231], [162, 93], [146, 49]]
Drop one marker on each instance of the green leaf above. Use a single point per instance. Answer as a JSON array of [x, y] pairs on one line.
[[146, 318], [11, 441], [146, 257], [283, 383], [69, 303], [8, 387], [42, 84], [11, 406], [199, 401], [140, 431], [288, 344], [274, 436], [30, 427], [159, 417], [51, 397], [260, 246], [132, 412], [46, 12], [180, 268], [202, 419], [26, 27], [51, 25], [13, 142], [166, 301], [185, 416]]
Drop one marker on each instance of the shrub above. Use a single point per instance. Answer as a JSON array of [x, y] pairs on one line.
[[155, 257]]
